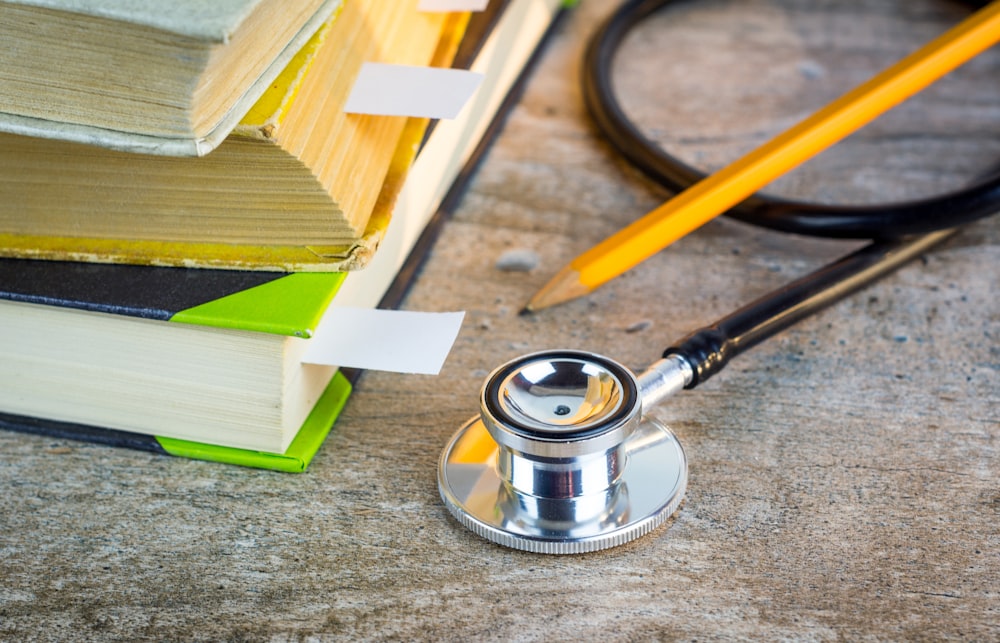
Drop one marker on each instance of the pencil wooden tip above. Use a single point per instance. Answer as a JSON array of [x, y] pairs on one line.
[[564, 287]]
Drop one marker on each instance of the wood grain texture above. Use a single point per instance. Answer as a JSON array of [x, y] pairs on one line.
[[844, 475]]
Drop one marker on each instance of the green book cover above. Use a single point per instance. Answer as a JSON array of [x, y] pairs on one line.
[[276, 303], [295, 460]]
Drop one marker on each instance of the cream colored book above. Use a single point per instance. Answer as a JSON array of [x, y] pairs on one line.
[[205, 363], [143, 75]]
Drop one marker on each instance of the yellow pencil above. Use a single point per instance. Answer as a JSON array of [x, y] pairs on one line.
[[715, 194]]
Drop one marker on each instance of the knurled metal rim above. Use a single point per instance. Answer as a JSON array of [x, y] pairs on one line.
[[635, 528], [538, 546]]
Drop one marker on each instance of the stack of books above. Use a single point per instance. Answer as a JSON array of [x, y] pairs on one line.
[[185, 191]]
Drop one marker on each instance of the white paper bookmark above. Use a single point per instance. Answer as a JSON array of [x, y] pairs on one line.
[[405, 90], [432, 6], [384, 340]]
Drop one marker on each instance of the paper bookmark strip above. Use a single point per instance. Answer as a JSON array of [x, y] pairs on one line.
[[384, 340], [403, 90]]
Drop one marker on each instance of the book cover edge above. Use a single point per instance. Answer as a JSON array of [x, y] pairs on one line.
[[290, 305], [299, 454], [295, 459]]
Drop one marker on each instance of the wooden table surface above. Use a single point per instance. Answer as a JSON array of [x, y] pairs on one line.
[[844, 476]]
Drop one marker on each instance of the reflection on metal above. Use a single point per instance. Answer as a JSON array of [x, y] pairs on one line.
[[561, 459]]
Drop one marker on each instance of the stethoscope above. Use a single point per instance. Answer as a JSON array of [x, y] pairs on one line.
[[564, 456]]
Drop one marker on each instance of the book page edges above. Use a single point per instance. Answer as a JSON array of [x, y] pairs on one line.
[[281, 258], [161, 146], [298, 455], [232, 256], [266, 114]]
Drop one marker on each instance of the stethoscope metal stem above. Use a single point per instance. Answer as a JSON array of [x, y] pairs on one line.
[[664, 378]]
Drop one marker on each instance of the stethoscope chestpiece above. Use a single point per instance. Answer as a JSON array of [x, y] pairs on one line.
[[561, 459]]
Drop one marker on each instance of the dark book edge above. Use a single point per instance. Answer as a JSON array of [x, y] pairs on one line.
[[80, 433]]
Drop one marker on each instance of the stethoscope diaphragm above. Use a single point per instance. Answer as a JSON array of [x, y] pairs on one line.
[[561, 459]]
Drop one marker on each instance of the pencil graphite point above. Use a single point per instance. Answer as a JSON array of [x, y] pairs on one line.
[[563, 287]]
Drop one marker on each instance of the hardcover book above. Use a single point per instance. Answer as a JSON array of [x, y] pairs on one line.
[[189, 357], [417, 199], [291, 189], [157, 77]]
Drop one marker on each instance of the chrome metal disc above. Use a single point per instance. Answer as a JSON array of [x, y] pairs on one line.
[[649, 490]]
